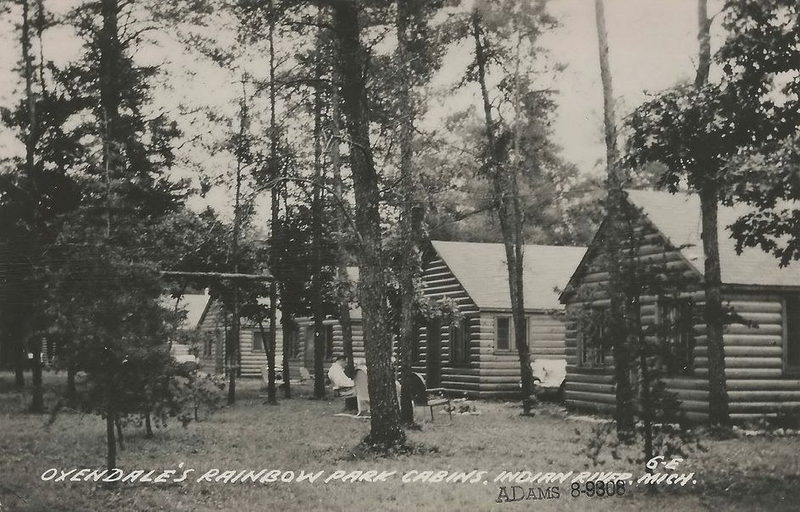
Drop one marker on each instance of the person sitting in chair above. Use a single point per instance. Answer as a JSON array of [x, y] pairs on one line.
[[342, 384]]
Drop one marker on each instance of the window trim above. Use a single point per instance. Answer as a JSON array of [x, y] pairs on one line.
[[662, 336], [292, 339], [788, 369], [580, 338], [330, 348], [510, 319], [512, 332], [463, 326], [253, 342]]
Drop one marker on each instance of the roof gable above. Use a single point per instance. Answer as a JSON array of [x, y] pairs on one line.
[[678, 217], [481, 270], [194, 304]]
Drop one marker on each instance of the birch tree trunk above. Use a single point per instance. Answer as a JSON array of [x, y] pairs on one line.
[[616, 319]]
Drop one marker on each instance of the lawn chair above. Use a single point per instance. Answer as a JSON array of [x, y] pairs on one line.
[[342, 385], [362, 390], [549, 375], [265, 377], [434, 397]]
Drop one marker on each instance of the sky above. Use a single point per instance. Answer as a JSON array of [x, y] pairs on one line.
[[652, 47]]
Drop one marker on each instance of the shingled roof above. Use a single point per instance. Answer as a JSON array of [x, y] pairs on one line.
[[677, 217], [193, 304], [481, 270]]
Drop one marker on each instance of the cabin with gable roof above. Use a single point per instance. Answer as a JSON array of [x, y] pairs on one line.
[[762, 346], [474, 353]]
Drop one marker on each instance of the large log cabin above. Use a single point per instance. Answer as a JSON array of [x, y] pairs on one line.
[[762, 347], [475, 354]]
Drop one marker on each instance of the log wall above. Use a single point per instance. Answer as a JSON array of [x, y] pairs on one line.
[[298, 361], [489, 372], [213, 325], [756, 382]]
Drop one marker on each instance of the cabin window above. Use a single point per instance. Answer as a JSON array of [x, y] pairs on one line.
[[327, 339], [502, 332], [258, 342], [592, 332], [291, 337], [792, 314], [459, 343], [675, 323], [208, 345]]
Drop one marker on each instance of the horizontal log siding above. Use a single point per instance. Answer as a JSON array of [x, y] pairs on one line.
[[254, 360], [593, 389], [499, 370], [439, 283], [251, 362], [489, 373], [753, 354], [303, 323]]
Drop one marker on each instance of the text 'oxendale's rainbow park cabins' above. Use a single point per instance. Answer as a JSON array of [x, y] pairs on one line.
[[762, 300]]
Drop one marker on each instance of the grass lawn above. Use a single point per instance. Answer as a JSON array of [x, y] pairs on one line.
[[758, 473]]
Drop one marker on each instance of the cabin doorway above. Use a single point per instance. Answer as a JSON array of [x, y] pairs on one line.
[[433, 373]]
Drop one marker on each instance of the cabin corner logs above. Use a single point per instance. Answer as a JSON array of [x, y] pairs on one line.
[[472, 352]]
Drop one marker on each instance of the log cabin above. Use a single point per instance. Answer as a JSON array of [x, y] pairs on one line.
[[475, 354], [761, 344], [332, 337], [215, 327], [302, 337], [300, 340], [194, 306]]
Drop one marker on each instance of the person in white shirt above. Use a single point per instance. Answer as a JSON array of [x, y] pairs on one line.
[[339, 379]]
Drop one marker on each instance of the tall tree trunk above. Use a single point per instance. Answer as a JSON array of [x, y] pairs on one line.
[[344, 284], [270, 344], [385, 430], [37, 402], [148, 426], [110, 99], [509, 212], [712, 277], [704, 44], [33, 245], [19, 366], [269, 350], [411, 214], [72, 390], [234, 353], [120, 438], [287, 325], [111, 442], [616, 323], [316, 236]]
